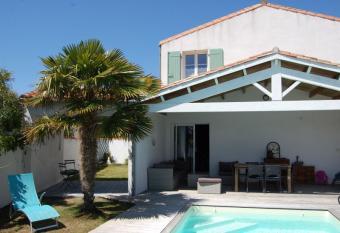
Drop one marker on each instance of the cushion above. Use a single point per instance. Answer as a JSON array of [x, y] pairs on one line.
[[210, 180]]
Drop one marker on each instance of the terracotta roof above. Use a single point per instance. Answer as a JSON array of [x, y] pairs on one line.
[[245, 10], [252, 58], [29, 94]]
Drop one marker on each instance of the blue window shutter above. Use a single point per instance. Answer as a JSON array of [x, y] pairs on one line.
[[174, 66], [216, 58]]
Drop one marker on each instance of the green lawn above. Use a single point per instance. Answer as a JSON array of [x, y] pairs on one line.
[[112, 172], [71, 220]]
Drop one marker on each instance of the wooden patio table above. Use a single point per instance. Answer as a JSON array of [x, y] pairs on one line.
[[287, 167]]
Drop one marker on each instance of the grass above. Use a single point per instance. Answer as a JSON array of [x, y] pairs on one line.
[[110, 172], [71, 220]]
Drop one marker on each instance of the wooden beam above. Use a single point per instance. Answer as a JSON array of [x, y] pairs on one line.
[[266, 82], [313, 64], [311, 79], [290, 88], [215, 75], [276, 87], [261, 88], [309, 69], [314, 92], [336, 97], [244, 74], [277, 57], [216, 89]]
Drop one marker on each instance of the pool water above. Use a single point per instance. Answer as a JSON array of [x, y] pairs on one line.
[[207, 219]]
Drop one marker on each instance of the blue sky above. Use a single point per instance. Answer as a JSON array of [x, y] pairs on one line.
[[31, 29]]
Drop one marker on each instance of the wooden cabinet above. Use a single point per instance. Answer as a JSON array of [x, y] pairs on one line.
[[303, 174]]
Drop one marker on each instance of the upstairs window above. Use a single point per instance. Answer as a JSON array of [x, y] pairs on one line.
[[189, 65], [195, 64], [183, 64], [202, 63]]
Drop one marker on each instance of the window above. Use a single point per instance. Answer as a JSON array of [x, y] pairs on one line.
[[202, 63], [195, 64], [189, 65]]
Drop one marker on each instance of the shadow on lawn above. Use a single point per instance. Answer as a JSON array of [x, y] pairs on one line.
[[19, 222], [6, 223], [69, 209]]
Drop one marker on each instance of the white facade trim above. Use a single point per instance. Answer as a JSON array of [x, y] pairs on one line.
[[264, 106], [264, 90], [290, 88], [312, 79], [275, 58], [312, 64], [276, 73], [215, 90], [214, 75]]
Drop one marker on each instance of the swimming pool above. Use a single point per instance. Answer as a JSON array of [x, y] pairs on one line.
[[208, 219]]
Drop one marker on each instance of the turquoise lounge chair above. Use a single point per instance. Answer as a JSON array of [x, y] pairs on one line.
[[25, 200]]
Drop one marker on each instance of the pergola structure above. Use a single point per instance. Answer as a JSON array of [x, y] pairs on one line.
[[281, 71]]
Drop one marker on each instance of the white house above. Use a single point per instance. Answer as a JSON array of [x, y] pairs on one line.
[[230, 86]]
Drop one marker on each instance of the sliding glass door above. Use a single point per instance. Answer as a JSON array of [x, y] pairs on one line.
[[184, 144], [192, 146]]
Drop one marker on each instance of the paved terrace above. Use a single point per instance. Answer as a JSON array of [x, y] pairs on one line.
[[153, 211], [108, 189]]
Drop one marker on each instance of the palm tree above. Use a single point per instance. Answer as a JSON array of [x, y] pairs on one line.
[[100, 93]]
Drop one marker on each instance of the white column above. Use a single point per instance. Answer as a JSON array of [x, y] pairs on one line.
[[276, 87]]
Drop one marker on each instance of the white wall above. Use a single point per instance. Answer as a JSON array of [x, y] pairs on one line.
[[147, 152], [10, 163], [314, 136], [259, 31], [119, 149], [41, 160]]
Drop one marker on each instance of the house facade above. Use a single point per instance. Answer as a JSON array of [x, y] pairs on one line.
[[230, 86]]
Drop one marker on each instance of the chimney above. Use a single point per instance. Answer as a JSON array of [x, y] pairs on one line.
[[264, 2]]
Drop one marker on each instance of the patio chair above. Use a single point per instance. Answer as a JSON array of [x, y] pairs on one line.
[[68, 169], [255, 174], [272, 173], [227, 171], [25, 199]]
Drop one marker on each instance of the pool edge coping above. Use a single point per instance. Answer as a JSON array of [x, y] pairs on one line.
[[178, 217]]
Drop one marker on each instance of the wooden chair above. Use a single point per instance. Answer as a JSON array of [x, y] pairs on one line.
[[255, 174], [272, 173]]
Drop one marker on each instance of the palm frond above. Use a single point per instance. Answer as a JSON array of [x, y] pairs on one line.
[[87, 80], [128, 122], [46, 127], [83, 109]]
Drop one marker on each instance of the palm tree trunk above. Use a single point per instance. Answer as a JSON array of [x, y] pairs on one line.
[[88, 149]]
